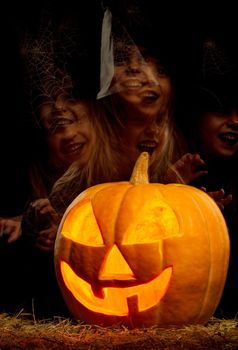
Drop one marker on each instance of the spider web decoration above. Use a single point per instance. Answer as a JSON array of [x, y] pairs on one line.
[[117, 48], [215, 62], [70, 43], [215, 86], [44, 79], [123, 43]]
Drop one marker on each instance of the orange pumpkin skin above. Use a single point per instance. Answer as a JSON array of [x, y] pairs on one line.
[[142, 255]]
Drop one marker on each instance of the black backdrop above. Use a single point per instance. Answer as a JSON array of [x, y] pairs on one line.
[[187, 23]]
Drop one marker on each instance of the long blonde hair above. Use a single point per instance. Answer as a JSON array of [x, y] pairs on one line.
[[102, 166], [108, 162]]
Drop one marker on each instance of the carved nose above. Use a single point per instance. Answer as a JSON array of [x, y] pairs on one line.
[[115, 267]]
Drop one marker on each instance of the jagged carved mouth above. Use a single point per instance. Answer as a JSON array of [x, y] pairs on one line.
[[116, 300]]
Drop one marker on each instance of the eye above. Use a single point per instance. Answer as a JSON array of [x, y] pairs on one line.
[[148, 59], [162, 71], [160, 223], [81, 226], [156, 65], [120, 60], [149, 221]]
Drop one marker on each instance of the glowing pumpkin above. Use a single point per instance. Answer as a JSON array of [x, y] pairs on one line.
[[142, 254]]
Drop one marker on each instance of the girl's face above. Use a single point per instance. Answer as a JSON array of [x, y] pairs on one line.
[[219, 133], [142, 135], [142, 85], [68, 132]]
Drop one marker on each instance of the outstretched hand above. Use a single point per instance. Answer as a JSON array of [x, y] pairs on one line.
[[219, 197], [47, 221], [10, 228], [45, 240], [186, 169]]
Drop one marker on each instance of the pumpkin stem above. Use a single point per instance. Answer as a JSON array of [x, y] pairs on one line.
[[140, 171]]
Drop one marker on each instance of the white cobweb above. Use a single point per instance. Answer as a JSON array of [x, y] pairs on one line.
[[46, 77], [117, 48]]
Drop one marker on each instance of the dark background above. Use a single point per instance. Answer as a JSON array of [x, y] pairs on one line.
[[185, 25]]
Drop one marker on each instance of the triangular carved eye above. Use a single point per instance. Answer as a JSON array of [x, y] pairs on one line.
[[154, 221], [115, 266], [81, 226]]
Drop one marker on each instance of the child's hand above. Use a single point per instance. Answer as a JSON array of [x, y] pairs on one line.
[[45, 240], [41, 218], [46, 220], [10, 228], [219, 197], [186, 169], [44, 210]]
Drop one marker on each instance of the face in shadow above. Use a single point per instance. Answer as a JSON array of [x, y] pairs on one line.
[[218, 133], [68, 131], [143, 135], [141, 84]]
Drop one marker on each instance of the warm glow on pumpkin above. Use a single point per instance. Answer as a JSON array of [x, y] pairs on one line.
[[148, 221], [116, 301], [82, 220], [115, 266], [142, 254]]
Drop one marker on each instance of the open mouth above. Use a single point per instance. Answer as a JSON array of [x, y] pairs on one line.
[[150, 96], [132, 84], [229, 138], [74, 148], [147, 146], [148, 294]]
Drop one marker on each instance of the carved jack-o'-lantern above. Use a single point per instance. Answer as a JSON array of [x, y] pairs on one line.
[[142, 254]]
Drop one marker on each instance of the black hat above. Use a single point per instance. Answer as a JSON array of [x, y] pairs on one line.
[[217, 86]]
